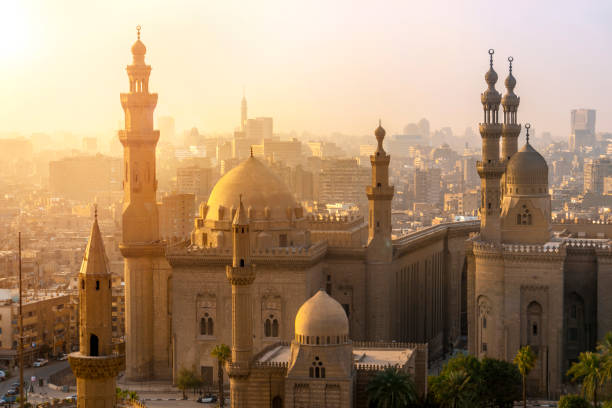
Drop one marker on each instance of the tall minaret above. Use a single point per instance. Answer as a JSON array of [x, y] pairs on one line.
[[379, 249], [140, 242], [511, 129], [490, 169], [380, 194], [96, 365], [140, 222], [243, 112], [241, 275]]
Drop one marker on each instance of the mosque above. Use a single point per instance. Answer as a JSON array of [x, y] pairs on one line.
[[502, 282], [396, 293], [526, 284]]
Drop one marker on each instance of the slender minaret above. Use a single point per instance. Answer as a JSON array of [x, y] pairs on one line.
[[241, 275], [511, 129], [380, 248], [243, 112], [140, 242], [380, 194], [95, 366], [490, 169]]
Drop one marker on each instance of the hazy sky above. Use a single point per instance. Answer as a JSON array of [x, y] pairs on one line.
[[322, 66]]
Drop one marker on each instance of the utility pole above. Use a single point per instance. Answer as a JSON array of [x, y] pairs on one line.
[[20, 331]]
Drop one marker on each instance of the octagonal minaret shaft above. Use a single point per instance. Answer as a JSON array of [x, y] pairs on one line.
[[511, 129], [241, 275], [490, 169]]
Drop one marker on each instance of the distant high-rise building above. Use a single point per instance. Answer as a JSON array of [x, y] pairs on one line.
[[166, 129], [582, 131], [287, 151], [81, 177], [427, 186], [258, 129], [595, 171], [342, 180], [195, 180], [176, 214], [90, 144], [243, 112]]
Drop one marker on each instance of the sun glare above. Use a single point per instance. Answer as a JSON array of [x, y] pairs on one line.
[[13, 29]]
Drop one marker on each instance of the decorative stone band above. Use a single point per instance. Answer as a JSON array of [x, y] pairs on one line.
[[237, 370], [94, 368], [240, 275]]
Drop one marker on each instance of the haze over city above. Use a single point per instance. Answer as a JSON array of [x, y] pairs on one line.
[[305, 204], [315, 66]]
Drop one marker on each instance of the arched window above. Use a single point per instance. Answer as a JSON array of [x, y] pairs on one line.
[[534, 324], [82, 283], [207, 325], [267, 328], [277, 402], [317, 370], [97, 285], [242, 263], [275, 328]]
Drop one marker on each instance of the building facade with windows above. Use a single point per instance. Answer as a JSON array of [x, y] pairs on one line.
[[526, 285]]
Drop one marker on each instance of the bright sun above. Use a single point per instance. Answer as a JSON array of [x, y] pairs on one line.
[[13, 29]]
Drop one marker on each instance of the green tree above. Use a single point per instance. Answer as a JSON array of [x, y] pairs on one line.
[[589, 370], [499, 383], [453, 389], [525, 361], [391, 388], [223, 354], [573, 401], [186, 380], [605, 349]]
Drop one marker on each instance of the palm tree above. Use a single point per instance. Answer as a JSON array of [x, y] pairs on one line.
[[525, 361], [223, 354], [454, 389], [590, 370], [605, 349], [391, 388]]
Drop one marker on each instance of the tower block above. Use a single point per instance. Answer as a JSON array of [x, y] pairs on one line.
[[96, 364], [241, 275], [490, 169], [146, 270]]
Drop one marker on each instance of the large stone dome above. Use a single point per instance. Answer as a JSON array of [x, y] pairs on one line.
[[527, 169], [264, 195], [321, 320]]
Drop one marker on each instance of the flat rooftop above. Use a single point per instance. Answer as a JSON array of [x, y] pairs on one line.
[[362, 355]]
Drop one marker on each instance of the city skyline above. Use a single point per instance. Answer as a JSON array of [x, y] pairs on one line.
[[409, 60]]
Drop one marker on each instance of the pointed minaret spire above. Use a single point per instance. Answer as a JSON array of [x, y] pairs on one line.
[[95, 261]]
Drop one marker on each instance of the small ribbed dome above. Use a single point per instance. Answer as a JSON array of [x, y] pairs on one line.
[[322, 316], [527, 167], [139, 48]]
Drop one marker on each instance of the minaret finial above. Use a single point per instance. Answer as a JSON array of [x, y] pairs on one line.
[[138, 27], [96, 212], [510, 59], [491, 52], [379, 122], [251, 150], [527, 126], [240, 198]]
